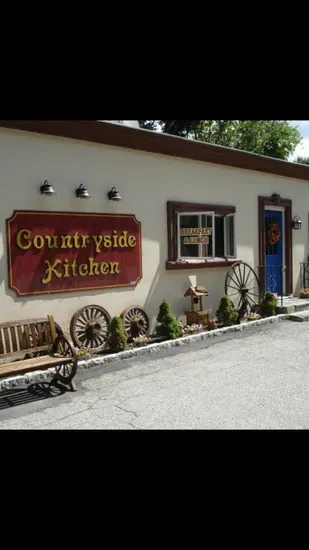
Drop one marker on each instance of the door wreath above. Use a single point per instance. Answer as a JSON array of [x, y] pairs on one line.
[[273, 234]]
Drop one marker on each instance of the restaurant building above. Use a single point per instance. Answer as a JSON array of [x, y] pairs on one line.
[[187, 208]]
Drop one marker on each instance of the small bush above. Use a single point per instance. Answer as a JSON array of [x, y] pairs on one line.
[[117, 339], [164, 310], [169, 328], [167, 324], [268, 304], [226, 313]]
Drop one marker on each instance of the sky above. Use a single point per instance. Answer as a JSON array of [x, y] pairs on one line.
[[303, 149]]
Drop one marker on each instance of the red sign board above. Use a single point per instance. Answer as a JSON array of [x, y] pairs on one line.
[[51, 252]]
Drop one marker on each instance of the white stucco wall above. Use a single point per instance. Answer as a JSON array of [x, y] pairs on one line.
[[145, 182]]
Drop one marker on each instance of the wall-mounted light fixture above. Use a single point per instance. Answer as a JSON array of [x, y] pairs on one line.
[[296, 223], [114, 195], [81, 192], [47, 189]]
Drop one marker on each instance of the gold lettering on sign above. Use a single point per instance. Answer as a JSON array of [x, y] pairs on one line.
[[24, 240], [195, 231], [104, 268], [94, 268], [25, 234], [83, 270], [66, 269], [85, 240], [114, 266], [132, 241], [66, 241], [51, 269], [38, 242], [51, 238], [107, 241], [98, 241]]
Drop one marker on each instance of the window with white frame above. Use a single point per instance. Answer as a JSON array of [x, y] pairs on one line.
[[205, 235]]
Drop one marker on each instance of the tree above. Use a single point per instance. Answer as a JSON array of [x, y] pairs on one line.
[[272, 138], [302, 160]]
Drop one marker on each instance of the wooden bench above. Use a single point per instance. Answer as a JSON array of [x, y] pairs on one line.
[[42, 345]]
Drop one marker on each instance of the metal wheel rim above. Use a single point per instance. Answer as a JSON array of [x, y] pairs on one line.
[[90, 327]]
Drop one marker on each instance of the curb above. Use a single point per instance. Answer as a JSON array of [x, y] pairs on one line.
[[23, 381]]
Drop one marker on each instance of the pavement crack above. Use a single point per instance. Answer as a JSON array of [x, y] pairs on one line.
[[126, 410]]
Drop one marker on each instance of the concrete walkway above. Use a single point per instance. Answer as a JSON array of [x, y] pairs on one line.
[[253, 380]]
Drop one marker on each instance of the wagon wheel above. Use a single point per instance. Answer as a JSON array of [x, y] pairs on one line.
[[89, 327], [135, 322], [65, 371], [243, 288], [29, 355]]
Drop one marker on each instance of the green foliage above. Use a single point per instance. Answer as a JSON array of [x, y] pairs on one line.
[[169, 328], [302, 160], [164, 310], [167, 324], [268, 305], [272, 138], [117, 339], [226, 313]]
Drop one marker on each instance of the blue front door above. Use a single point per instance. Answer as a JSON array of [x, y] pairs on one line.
[[273, 250]]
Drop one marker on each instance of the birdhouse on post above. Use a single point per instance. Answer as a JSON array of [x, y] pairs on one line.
[[200, 316]]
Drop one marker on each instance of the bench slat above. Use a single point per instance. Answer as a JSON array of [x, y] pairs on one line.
[[20, 337], [27, 337], [36, 363], [7, 340], [25, 351], [47, 333], [22, 322], [34, 336], [13, 338], [40, 333]]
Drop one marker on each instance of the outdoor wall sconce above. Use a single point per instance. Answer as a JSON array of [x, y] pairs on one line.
[[81, 192], [114, 195], [296, 223], [47, 189]]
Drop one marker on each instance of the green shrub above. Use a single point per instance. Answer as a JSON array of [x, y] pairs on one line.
[[117, 339], [164, 309], [169, 328], [226, 313], [268, 305], [167, 324]]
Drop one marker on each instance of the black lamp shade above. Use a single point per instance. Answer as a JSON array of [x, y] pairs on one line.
[[82, 193], [296, 224], [47, 189], [114, 195]]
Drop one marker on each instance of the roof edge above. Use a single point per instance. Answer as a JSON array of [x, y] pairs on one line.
[[163, 144]]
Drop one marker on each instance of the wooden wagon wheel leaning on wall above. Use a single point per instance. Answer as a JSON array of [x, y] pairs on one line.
[[135, 322], [28, 340], [89, 328], [243, 288]]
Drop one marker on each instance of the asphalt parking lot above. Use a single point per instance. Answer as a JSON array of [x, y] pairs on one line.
[[249, 380]]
